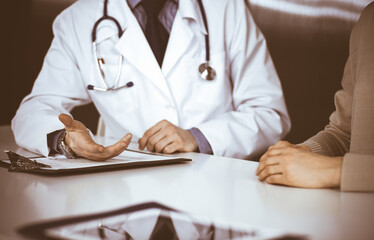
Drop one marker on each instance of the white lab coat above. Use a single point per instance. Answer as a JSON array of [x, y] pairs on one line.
[[240, 113]]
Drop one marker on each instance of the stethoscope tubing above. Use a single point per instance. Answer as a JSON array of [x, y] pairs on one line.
[[206, 71], [207, 38]]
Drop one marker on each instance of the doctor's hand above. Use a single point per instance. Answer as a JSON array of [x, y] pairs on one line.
[[296, 166], [164, 137], [79, 140]]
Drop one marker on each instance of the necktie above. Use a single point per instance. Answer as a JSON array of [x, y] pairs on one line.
[[156, 34]]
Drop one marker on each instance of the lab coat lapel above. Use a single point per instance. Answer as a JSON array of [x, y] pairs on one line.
[[135, 49], [181, 34]]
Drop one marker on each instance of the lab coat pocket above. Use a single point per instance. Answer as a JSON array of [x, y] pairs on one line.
[[211, 92]]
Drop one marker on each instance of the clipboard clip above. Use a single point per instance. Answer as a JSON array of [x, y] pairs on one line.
[[20, 163]]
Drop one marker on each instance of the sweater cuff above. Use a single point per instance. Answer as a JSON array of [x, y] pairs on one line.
[[202, 143], [357, 173], [314, 146]]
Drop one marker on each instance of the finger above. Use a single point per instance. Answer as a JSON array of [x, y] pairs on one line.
[[275, 179], [143, 141], [116, 149], [71, 124], [155, 139], [66, 120], [271, 149], [111, 151], [270, 170], [263, 157], [283, 144], [275, 152], [162, 144], [171, 148], [266, 162]]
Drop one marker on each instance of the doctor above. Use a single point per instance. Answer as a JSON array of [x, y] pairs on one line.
[[147, 74]]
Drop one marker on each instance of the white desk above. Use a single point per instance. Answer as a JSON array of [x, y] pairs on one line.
[[219, 188]]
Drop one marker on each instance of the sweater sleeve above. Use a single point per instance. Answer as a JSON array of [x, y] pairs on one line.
[[357, 172], [334, 140], [351, 130]]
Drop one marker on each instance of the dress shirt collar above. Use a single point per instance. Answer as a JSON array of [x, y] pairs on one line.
[[187, 9], [134, 3]]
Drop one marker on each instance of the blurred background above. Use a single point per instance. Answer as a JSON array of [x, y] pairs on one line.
[[308, 40]]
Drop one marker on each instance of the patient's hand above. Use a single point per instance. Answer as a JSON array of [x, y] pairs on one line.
[[79, 140], [164, 137], [293, 165]]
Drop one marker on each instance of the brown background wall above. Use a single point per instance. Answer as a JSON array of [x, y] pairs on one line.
[[31, 35], [309, 48]]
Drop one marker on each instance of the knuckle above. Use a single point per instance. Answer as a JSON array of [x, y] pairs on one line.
[[289, 150], [150, 147], [158, 148], [167, 150], [146, 134], [269, 179], [266, 161], [170, 128], [151, 142], [271, 151]]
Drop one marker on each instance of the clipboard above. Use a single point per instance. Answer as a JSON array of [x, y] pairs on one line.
[[60, 165]]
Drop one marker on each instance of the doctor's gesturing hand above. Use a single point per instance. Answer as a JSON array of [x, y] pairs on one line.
[[164, 137], [80, 141], [296, 166]]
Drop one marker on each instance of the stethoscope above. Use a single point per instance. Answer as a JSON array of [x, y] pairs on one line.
[[206, 71]]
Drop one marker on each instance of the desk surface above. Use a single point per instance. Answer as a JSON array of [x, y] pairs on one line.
[[218, 188]]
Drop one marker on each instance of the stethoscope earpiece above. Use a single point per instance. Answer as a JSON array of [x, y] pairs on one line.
[[207, 72]]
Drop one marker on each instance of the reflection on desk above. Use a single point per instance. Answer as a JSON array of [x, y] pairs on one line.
[[146, 221]]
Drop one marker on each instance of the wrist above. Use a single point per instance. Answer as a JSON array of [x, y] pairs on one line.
[[332, 173], [337, 171], [63, 147]]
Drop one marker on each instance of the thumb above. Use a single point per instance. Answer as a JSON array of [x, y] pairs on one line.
[[126, 139], [66, 120]]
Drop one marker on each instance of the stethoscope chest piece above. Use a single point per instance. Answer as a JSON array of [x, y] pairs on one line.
[[207, 72]]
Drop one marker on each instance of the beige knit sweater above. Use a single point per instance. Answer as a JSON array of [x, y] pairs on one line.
[[350, 132]]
